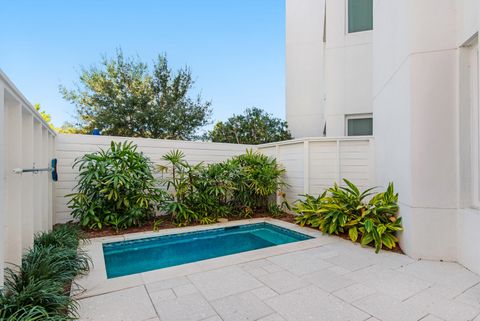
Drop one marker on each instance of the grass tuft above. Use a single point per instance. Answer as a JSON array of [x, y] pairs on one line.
[[39, 289]]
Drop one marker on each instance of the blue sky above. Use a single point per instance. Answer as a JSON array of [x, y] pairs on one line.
[[235, 48]]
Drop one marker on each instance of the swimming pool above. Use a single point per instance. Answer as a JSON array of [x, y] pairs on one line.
[[136, 256]]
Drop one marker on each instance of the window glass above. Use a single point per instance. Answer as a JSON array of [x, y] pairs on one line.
[[360, 127], [360, 15]]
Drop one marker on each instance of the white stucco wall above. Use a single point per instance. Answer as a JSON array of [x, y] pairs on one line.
[[422, 123], [305, 88], [414, 99], [348, 69], [324, 62], [468, 218]]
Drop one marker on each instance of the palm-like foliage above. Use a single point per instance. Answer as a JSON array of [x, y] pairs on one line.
[[115, 188], [202, 193], [258, 178]]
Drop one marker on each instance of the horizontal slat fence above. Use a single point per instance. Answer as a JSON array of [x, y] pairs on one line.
[[70, 147], [314, 164]]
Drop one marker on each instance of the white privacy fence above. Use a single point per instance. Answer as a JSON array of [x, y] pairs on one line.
[[70, 147], [314, 164], [26, 141]]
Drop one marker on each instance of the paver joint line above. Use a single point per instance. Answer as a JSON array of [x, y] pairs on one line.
[[151, 301]]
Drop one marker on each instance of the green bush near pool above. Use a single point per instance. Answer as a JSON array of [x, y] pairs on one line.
[[116, 188], [39, 289]]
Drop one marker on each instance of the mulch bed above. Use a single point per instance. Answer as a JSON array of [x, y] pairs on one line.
[[167, 223]]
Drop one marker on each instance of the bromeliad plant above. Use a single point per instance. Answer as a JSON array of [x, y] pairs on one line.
[[345, 209], [115, 188]]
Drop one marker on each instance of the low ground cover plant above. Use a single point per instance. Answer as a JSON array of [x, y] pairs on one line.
[[115, 188], [345, 209], [39, 289]]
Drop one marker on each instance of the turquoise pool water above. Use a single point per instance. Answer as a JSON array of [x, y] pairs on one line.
[[136, 256]]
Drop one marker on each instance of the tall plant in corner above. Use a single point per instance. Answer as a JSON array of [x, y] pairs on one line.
[[115, 188]]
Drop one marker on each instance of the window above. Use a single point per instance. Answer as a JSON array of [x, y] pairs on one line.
[[360, 15], [359, 125]]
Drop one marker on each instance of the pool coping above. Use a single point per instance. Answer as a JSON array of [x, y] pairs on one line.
[[96, 281]]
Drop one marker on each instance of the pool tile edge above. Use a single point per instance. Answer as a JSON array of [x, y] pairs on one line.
[[96, 282]]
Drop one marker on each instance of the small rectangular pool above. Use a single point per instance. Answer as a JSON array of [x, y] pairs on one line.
[[136, 256]]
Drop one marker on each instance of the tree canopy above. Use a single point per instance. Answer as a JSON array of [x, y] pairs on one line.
[[126, 97], [66, 128], [46, 116], [254, 126]]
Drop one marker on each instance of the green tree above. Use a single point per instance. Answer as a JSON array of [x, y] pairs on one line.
[[47, 117], [66, 128], [254, 126], [69, 128], [124, 97]]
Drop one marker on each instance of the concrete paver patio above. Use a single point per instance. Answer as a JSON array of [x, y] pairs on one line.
[[326, 278]]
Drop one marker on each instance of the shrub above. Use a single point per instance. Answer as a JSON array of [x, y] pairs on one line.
[[183, 181], [67, 236], [11, 311], [115, 188], [202, 193], [39, 289], [257, 180], [345, 209]]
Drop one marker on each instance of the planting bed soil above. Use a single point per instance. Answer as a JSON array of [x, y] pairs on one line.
[[165, 222]]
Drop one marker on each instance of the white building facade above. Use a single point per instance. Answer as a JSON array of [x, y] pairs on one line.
[[414, 75], [329, 53]]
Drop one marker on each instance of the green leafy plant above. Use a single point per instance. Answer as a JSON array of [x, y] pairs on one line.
[[157, 224], [345, 210], [39, 289], [68, 236], [309, 210], [380, 223], [115, 188], [257, 180], [181, 183], [202, 193]]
